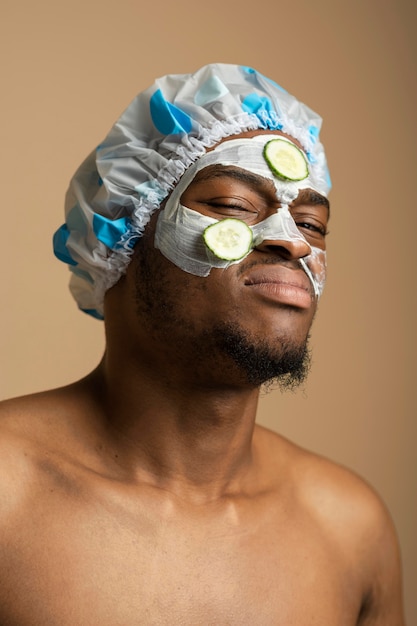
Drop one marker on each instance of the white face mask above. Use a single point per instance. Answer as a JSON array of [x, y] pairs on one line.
[[179, 231]]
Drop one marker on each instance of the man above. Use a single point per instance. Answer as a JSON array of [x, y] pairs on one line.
[[145, 493]]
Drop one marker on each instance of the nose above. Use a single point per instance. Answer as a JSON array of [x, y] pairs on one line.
[[290, 250], [279, 234]]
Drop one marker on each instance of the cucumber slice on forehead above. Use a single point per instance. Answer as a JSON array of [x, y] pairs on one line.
[[229, 239], [286, 160]]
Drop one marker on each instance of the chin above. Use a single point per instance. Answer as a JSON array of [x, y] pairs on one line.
[[284, 362]]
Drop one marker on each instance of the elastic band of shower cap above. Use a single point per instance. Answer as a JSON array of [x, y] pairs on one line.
[[162, 132]]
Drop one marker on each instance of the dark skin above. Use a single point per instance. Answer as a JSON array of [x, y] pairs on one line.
[[146, 494]]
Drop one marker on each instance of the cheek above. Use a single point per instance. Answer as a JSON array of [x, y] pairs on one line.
[[180, 239], [161, 288]]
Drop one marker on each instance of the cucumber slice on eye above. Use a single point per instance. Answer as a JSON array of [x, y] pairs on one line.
[[286, 160], [229, 239]]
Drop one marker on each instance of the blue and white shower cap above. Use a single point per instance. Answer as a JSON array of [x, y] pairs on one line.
[[161, 133]]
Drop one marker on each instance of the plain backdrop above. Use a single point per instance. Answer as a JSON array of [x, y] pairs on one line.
[[68, 69]]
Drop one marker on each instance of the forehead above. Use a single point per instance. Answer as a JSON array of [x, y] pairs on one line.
[[244, 151], [217, 170], [246, 158]]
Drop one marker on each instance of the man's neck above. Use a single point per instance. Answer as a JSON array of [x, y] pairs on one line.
[[191, 439]]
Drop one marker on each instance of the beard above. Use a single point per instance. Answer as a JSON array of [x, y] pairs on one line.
[[260, 362], [223, 350]]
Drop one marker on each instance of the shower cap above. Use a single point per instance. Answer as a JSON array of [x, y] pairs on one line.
[[165, 129]]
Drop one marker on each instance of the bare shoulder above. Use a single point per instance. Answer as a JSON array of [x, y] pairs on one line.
[[23, 420], [33, 417], [354, 517], [43, 416], [25, 423], [33, 429], [328, 489]]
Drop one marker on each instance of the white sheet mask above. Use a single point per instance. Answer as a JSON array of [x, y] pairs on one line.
[[179, 229]]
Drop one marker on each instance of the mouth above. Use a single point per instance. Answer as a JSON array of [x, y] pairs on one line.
[[280, 284]]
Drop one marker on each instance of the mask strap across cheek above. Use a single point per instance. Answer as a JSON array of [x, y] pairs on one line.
[[179, 237], [318, 288]]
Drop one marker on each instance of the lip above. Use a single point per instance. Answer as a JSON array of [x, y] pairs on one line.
[[280, 284]]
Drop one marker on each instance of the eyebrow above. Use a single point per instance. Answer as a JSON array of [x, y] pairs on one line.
[[309, 196]]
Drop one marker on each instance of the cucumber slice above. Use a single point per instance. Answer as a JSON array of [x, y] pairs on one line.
[[286, 160], [229, 239]]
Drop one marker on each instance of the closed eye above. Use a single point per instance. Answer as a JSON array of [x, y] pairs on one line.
[[225, 205], [313, 227], [226, 208]]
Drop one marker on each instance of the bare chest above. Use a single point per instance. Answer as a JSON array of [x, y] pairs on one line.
[[89, 567]]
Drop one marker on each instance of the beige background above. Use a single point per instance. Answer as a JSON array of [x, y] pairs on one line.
[[69, 69]]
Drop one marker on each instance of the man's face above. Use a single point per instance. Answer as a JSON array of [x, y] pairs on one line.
[[251, 320]]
